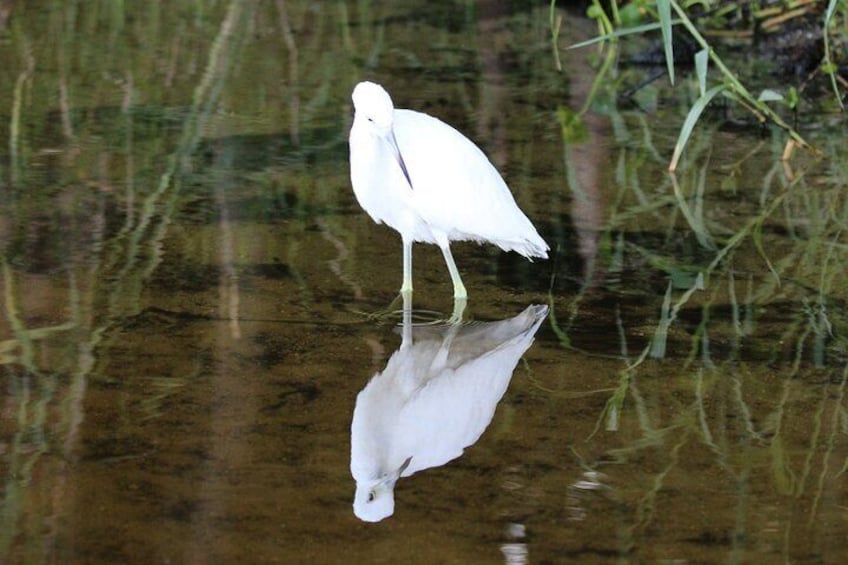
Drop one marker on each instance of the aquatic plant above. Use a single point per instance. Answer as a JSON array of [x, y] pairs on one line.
[[614, 25]]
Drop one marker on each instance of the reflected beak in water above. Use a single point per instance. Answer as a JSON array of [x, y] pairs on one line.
[[404, 466], [389, 480]]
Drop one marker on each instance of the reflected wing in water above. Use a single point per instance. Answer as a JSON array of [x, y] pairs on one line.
[[435, 397]]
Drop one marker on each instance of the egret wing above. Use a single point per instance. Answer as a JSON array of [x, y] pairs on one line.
[[457, 190]]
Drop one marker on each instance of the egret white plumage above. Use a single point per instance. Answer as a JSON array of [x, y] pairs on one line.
[[429, 182], [435, 398]]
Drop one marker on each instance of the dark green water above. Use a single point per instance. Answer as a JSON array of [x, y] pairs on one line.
[[187, 279]]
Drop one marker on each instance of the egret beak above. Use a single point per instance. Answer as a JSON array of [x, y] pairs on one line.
[[389, 479], [387, 483], [394, 145], [404, 466]]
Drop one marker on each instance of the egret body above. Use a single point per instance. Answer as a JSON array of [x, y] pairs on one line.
[[429, 182]]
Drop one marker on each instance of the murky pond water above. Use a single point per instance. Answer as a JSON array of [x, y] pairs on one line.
[[187, 330]]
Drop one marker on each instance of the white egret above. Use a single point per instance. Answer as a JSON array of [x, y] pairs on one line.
[[435, 398], [429, 182]]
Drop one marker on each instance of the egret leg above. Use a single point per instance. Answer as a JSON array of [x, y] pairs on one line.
[[441, 358], [459, 291], [458, 310], [406, 335], [406, 288]]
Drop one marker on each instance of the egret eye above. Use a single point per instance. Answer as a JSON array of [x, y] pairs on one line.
[[371, 496]]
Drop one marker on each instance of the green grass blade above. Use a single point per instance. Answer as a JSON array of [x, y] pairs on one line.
[[556, 25], [691, 120], [828, 64], [702, 61], [761, 110], [664, 11], [620, 33], [658, 344], [694, 219], [758, 243]]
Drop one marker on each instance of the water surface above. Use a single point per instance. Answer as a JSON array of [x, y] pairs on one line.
[[188, 286]]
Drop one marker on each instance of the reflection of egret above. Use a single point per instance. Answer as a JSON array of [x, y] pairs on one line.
[[435, 398], [430, 183]]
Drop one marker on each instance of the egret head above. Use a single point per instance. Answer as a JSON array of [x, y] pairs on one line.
[[374, 501], [372, 102]]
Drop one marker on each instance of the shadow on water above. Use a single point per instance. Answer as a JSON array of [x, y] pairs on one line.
[[183, 268]]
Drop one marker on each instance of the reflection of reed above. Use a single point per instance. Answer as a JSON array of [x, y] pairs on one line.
[[585, 150], [33, 391], [293, 86], [336, 265], [103, 290], [228, 293], [739, 344], [139, 245], [6, 7], [15, 120], [491, 122]]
